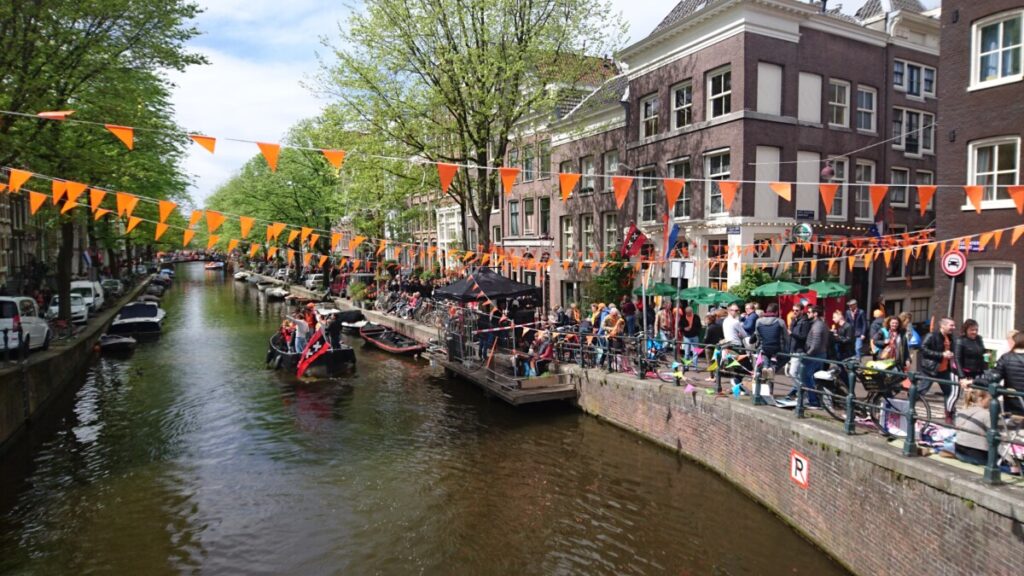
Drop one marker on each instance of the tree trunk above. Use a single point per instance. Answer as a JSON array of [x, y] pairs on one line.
[[64, 256]]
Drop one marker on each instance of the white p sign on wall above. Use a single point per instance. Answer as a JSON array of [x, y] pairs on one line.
[[799, 467]]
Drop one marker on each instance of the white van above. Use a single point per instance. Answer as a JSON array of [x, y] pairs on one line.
[[91, 292], [20, 314]]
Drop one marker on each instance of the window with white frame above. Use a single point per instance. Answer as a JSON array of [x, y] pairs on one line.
[[867, 105], [528, 215], [718, 276], [895, 271], [995, 163], [838, 103], [839, 176], [990, 299], [610, 229], [682, 105], [648, 195], [681, 169], [864, 174], [719, 92], [925, 178], [610, 167], [996, 50], [528, 165], [915, 79], [913, 131], [587, 232], [513, 218], [716, 167], [899, 189], [545, 216], [587, 181], [762, 248], [649, 116], [568, 242]]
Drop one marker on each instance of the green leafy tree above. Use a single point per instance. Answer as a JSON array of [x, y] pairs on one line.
[[752, 278], [612, 283]]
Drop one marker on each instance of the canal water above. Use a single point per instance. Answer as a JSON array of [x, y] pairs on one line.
[[191, 457]]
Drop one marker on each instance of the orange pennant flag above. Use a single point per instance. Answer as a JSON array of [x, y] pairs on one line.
[[673, 188], [213, 221], [291, 256], [305, 234], [983, 240], [17, 179], [313, 238], [1016, 192], [245, 224], [355, 242], [278, 229], [160, 229], [133, 221], [100, 213], [126, 203], [74, 190], [567, 181], [728, 188], [924, 197], [123, 133], [56, 114], [446, 172], [306, 258], [212, 241], [355, 263], [232, 244], [292, 235], [828, 195], [508, 178], [1016, 234], [620, 185], [851, 261], [975, 194], [187, 237], [867, 259], [335, 239], [383, 245], [271, 252], [997, 237], [194, 217], [166, 207], [783, 189], [253, 249], [207, 142], [67, 207], [335, 157], [323, 260], [96, 198], [878, 192], [59, 188], [931, 250], [270, 153]]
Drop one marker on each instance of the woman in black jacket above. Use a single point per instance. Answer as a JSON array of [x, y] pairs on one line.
[[970, 351], [1011, 367]]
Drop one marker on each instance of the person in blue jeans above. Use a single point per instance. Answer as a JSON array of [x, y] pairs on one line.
[[816, 349], [855, 317]]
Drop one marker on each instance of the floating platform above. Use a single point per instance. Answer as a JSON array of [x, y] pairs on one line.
[[515, 391]]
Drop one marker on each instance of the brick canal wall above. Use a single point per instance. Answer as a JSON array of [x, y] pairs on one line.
[[872, 509], [27, 389]]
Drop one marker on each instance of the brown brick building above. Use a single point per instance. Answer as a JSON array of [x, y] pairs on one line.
[[981, 123]]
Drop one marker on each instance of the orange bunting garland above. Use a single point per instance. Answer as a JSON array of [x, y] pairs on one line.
[[166, 207], [878, 193], [96, 198], [270, 153], [567, 182], [194, 218], [59, 188], [187, 237], [126, 203], [673, 188], [828, 195], [18, 178], [1017, 194], [212, 241], [245, 225], [335, 157], [508, 178], [207, 142], [133, 221], [446, 172], [160, 229], [728, 189], [213, 221], [975, 194], [232, 244], [620, 185], [924, 197], [125, 134], [783, 189]]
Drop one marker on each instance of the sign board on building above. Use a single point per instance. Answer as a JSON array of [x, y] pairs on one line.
[[806, 215], [799, 467], [803, 232], [974, 247], [681, 267], [732, 230], [954, 263]]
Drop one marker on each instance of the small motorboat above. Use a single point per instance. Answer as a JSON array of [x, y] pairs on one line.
[[263, 285], [162, 280], [351, 321], [148, 298], [333, 362], [243, 275], [276, 293], [140, 320], [155, 290], [117, 344], [214, 265], [167, 272], [389, 340]]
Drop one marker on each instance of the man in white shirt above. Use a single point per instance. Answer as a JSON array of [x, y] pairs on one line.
[[732, 327]]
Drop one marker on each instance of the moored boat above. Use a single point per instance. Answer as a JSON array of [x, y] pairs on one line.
[[389, 340], [277, 293], [243, 275], [263, 286], [117, 344], [214, 265], [331, 363], [140, 320]]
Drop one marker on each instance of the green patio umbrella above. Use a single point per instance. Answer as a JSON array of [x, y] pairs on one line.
[[657, 289], [778, 288], [826, 289], [696, 293], [725, 298]]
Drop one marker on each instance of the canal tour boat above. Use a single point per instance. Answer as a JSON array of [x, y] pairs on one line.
[[140, 320], [331, 363], [390, 341], [214, 265]]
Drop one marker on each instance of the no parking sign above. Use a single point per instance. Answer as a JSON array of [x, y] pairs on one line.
[[954, 263], [799, 468]]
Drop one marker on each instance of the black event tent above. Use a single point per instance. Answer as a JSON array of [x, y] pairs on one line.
[[494, 286]]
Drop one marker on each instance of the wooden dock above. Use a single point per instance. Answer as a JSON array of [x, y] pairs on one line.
[[515, 391]]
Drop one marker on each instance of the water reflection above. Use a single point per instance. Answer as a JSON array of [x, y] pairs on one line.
[[191, 456]]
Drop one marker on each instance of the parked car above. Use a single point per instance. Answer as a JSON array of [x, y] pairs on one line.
[[91, 292], [314, 281], [283, 273], [79, 310], [19, 314], [113, 288]]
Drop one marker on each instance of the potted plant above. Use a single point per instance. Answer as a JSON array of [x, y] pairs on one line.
[[357, 293]]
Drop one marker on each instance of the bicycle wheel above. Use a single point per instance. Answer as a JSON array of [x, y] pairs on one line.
[[833, 400]]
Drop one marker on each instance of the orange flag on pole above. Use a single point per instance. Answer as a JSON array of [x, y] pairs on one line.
[[59, 188], [166, 207], [133, 221], [123, 133], [975, 194], [17, 179], [232, 244], [828, 195], [207, 142], [783, 189], [878, 192], [160, 229], [245, 224], [335, 157], [508, 178], [673, 188], [187, 237], [446, 172], [126, 203], [728, 188], [620, 185], [924, 197], [567, 181], [213, 221], [96, 198], [270, 153]]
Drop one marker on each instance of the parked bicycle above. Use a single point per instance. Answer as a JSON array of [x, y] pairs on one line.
[[880, 387]]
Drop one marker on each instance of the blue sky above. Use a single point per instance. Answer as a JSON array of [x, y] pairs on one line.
[[261, 52]]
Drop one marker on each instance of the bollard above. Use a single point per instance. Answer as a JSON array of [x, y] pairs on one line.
[[909, 443], [992, 473], [849, 425]]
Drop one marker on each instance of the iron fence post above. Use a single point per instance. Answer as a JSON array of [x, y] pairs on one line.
[[992, 473], [718, 372], [909, 443], [800, 390], [642, 364], [849, 424]]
